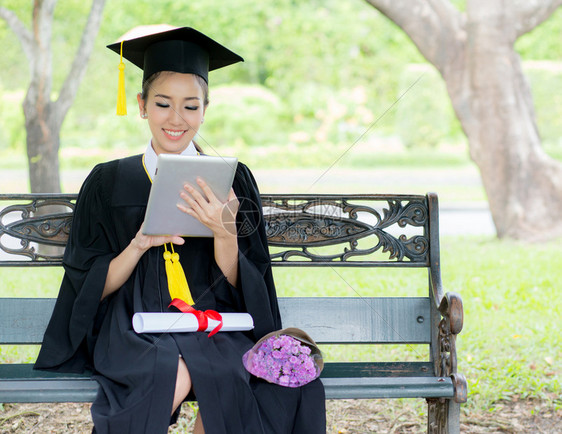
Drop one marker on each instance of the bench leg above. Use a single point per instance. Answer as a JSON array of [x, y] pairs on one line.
[[443, 416]]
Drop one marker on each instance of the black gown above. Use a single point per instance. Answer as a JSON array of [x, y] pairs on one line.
[[137, 372]]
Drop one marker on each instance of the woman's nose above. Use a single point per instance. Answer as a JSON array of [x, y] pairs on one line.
[[176, 118]]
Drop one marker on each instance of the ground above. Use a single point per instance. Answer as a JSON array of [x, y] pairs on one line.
[[344, 417]]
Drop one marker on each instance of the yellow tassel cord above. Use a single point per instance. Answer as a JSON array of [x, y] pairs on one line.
[[177, 283], [121, 97]]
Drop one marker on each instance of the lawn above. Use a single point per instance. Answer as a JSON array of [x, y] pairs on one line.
[[510, 347]]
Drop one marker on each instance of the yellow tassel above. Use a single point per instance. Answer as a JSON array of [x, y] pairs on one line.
[[121, 97], [177, 283]]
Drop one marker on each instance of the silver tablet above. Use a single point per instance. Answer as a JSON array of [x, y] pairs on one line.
[[172, 172]]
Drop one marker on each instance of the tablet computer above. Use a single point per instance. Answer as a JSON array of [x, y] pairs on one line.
[[172, 172]]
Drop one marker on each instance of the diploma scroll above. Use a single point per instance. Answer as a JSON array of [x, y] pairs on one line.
[[172, 322]]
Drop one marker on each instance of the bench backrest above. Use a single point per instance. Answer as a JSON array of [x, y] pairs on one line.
[[360, 320], [309, 230], [303, 231]]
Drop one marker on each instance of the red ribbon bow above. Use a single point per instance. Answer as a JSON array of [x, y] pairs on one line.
[[202, 317]]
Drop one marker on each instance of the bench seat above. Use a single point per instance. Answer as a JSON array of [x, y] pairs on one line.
[[20, 383]]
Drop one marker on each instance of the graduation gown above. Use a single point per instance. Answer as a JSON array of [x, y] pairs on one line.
[[137, 372]]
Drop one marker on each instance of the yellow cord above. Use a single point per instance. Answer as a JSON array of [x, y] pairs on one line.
[[121, 96], [177, 282]]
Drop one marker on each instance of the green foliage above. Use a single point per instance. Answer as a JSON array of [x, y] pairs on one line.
[[13, 135], [322, 75], [425, 117], [243, 115], [544, 77], [290, 48], [543, 42]]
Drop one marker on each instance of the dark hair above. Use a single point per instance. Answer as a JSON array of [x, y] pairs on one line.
[[146, 85]]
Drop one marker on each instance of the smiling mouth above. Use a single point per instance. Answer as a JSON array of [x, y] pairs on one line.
[[174, 133]]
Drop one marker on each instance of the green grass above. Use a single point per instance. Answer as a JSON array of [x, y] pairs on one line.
[[346, 155], [510, 346]]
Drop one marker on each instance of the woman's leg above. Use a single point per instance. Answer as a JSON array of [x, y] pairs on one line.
[[183, 385], [198, 427]]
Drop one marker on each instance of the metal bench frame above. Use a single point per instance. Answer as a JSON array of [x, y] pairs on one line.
[[303, 231]]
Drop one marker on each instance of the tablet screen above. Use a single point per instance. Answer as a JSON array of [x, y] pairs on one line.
[[172, 172]]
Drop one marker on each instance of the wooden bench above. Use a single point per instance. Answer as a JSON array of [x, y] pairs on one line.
[[331, 231]]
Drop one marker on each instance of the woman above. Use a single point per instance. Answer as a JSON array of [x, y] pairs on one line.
[[113, 270]]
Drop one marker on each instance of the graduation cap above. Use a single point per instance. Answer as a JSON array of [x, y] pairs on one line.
[[181, 49]]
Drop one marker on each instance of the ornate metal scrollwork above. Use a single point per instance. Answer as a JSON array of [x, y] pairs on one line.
[[309, 230], [355, 226], [437, 409], [302, 223], [450, 326], [39, 222], [447, 348]]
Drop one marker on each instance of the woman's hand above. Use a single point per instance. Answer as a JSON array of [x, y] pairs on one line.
[[143, 242], [208, 209], [122, 266], [221, 219]]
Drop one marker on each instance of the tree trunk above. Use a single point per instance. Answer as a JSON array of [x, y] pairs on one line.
[[523, 184], [42, 132], [474, 52], [43, 139]]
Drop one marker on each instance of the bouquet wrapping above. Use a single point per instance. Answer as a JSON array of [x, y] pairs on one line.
[[287, 357]]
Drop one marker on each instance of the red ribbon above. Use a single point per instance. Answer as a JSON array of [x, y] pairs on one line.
[[202, 317]]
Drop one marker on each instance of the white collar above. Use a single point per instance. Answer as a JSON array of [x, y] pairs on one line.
[[150, 157]]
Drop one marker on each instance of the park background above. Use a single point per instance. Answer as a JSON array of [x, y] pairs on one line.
[[332, 97]]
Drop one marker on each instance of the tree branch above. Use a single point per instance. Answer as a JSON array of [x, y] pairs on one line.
[[78, 68], [529, 14], [22, 33], [435, 26]]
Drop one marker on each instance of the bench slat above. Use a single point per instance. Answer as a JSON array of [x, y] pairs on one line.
[[326, 319], [20, 383], [25, 371], [380, 387], [377, 369], [356, 320], [24, 320]]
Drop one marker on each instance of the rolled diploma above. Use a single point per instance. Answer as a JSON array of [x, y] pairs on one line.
[[174, 322]]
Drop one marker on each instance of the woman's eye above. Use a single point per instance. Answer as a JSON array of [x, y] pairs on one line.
[[192, 107], [161, 104]]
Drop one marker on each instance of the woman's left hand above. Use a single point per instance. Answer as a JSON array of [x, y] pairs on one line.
[[208, 209]]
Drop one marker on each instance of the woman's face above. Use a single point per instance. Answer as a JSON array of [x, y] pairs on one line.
[[175, 111]]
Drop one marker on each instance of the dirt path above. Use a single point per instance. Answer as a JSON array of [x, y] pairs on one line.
[[344, 417]]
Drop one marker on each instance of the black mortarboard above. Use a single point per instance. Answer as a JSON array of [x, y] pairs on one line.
[[180, 49]]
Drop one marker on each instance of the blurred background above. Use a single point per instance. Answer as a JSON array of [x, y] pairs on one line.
[[334, 97], [319, 87]]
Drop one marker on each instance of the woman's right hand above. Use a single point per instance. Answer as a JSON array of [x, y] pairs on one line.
[[122, 266], [144, 242]]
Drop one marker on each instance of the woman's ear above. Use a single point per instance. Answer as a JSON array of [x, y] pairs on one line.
[[142, 110]]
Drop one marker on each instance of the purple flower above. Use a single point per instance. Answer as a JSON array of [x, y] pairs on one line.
[[282, 360]]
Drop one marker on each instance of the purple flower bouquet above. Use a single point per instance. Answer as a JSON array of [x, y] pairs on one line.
[[286, 357]]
